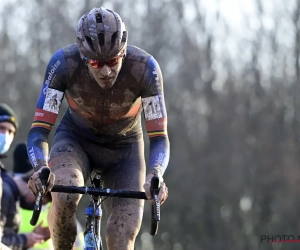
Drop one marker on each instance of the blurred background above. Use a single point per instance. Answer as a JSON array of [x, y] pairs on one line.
[[231, 78]]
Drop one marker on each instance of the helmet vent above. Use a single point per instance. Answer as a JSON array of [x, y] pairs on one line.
[[90, 43], [113, 40], [124, 36], [98, 18], [101, 38]]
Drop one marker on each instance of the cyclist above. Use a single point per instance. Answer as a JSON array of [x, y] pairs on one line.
[[107, 84]]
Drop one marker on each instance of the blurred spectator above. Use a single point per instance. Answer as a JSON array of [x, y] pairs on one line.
[[21, 163], [3, 247], [13, 189], [8, 128]]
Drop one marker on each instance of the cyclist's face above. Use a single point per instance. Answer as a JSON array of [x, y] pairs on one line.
[[105, 72]]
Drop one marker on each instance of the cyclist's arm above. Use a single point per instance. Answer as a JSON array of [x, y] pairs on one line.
[[155, 118], [47, 110]]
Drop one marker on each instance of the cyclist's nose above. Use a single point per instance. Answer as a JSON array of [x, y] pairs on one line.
[[105, 70]]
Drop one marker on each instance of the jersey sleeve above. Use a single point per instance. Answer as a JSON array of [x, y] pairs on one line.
[[155, 115], [47, 109]]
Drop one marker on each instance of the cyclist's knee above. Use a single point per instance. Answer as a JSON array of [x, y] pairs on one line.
[[125, 221], [67, 176], [65, 201], [125, 230]]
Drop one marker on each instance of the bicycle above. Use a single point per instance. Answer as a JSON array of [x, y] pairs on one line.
[[93, 212]]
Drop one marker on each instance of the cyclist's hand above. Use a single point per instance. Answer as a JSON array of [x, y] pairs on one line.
[[35, 183], [33, 238], [163, 191]]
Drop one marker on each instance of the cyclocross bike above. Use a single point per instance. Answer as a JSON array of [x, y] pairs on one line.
[[93, 212]]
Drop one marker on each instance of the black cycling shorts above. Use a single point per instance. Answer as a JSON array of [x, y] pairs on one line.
[[121, 164]]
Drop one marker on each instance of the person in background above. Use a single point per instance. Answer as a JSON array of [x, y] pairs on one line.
[[21, 165], [8, 128], [13, 189]]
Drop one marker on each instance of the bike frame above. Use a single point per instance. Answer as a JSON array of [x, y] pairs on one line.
[[93, 212]]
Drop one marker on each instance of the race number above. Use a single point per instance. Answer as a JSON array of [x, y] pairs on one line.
[[152, 108]]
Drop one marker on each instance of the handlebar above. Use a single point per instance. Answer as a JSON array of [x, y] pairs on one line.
[[44, 176], [99, 191], [121, 193], [155, 211]]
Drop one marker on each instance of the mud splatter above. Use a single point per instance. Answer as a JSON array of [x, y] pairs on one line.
[[66, 149]]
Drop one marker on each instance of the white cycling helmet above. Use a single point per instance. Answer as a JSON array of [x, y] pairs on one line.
[[101, 34]]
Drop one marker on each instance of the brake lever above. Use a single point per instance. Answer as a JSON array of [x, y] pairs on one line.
[[44, 176], [155, 216]]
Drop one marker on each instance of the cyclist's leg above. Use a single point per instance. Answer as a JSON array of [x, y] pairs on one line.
[[69, 163], [124, 215]]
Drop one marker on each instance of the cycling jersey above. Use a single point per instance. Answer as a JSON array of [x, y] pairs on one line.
[[105, 116]]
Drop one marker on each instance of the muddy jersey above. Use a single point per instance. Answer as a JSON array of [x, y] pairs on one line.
[[102, 115]]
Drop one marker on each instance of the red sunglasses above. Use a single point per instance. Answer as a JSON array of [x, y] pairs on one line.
[[97, 64]]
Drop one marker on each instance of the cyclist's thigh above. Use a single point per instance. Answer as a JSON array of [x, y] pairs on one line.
[[128, 174], [68, 160]]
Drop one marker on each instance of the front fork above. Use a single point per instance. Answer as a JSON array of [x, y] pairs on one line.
[[92, 238], [93, 214]]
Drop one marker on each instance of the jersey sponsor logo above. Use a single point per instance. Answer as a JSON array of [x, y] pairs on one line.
[[52, 71], [50, 74], [152, 108], [32, 157], [45, 116], [156, 77], [53, 100], [39, 114]]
